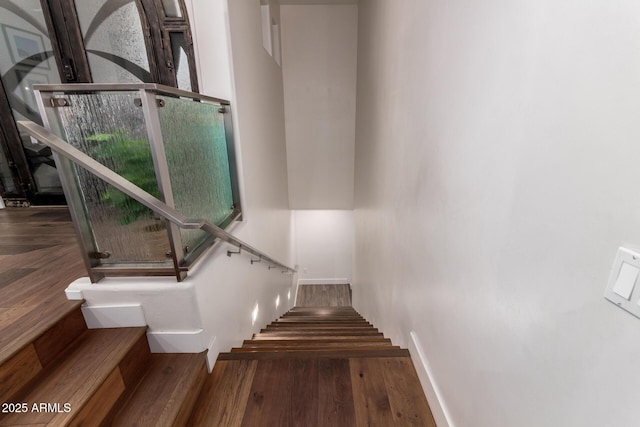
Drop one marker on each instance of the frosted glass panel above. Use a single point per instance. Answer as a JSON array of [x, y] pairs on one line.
[[5, 174], [172, 8], [114, 41], [180, 61], [110, 128], [196, 149], [26, 58]]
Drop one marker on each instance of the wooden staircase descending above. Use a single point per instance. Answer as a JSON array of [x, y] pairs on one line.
[[315, 366]]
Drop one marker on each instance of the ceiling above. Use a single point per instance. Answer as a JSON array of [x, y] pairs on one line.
[[309, 2]]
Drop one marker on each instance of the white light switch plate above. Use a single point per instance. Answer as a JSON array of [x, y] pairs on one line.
[[623, 288]]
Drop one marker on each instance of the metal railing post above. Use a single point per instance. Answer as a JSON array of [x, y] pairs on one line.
[[163, 178], [73, 195], [231, 153]]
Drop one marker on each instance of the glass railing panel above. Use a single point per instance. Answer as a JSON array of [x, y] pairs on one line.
[[110, 127], [196, 150]]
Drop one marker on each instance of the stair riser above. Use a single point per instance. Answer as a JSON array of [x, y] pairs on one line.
[[303, 348], [319, 334], [331, 354], [90, 375], [319, 326], [334, 344], [16, 372]]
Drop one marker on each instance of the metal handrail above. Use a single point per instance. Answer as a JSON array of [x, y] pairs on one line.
[[78, 157], [123, 87]]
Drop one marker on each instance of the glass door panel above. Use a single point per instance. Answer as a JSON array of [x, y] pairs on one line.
[[6, 178], [172, 8], [180, 59], [26, 58], [114, 41]]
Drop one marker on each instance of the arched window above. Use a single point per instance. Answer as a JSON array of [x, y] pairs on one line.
[[81, 41]]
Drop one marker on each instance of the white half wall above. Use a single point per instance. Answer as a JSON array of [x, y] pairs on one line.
[[319, 46], [497, 149], [324, 245]]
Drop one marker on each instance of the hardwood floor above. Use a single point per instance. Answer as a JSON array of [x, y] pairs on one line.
[[39, 257], [324, 296], [311, 379]]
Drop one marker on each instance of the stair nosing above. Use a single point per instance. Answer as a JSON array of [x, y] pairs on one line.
[[92, 381]]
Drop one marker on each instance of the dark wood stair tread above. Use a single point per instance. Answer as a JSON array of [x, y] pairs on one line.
[[319, 333], [323, 311], [318, 340], [225, 394], [293, 326], [90, 377], [167, 392], [313, 392], [320, 353], [314, 366], [312, 348], [312, 343], [38, 355], [33, 324]]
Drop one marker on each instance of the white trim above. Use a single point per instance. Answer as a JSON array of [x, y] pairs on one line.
[[434, 397], [295, 294], [212, 354], [176, 341], [113, 316], [335, 281], [73, 294], [2, 206]]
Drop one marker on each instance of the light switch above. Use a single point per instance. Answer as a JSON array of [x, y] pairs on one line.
[[621, 287], [626, 280]]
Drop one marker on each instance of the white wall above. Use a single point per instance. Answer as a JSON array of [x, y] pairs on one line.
[[209, 25], [324, 242], [496, 174], [233, 287], [319, 45]]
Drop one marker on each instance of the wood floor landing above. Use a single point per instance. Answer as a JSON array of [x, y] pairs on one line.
[[39, 257], [318, 381], [324, 296]]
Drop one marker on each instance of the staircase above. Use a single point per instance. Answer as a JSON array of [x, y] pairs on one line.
[[315, 366], [70, 375]]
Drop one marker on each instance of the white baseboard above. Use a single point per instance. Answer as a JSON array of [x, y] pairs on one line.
[[120, 316], [176, 341], [333, 281], [212, 354], [438, 409]]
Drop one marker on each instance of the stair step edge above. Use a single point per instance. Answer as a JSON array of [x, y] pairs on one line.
[[167, 393], [41, 326], [40, 353], [90, 376], [326, 354], [298, 348]]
